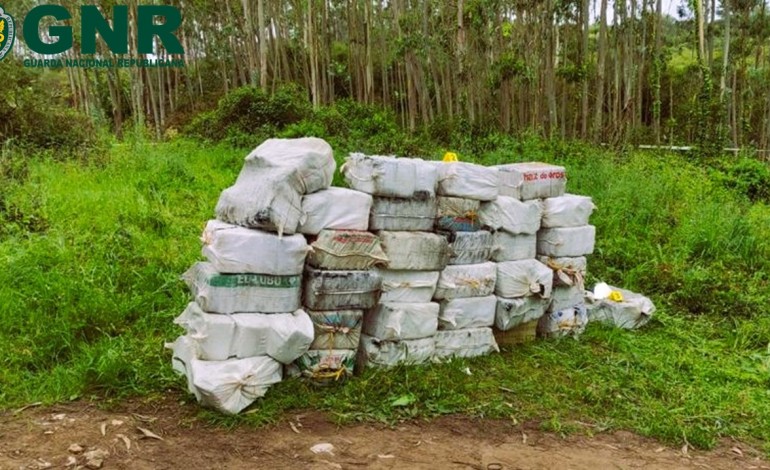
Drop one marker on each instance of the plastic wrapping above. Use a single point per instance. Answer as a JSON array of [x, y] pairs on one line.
[[633, 312], [341, 290], [469, 247], [511, 215], [523, 278], [231, 386], [346, 250], [471, 280], [509, 247], [335, 209], [566, 242], [390, 176], [456, 214], [237, 250], [467, 180], [568, 322], [408, 215], [567, 211], [532, 180], [340, 329], [471, 312], [564, 297], [408, 286], [567, 271], [377, 353], [415, 251], [242, 293], [471, 342], [398, 321], [327, 365], [511, 313], [282, 336]]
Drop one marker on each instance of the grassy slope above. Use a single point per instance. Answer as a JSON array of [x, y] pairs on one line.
[[86, 301]]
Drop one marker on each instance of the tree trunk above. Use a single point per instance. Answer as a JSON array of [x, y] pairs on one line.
[[600, 73], [261, 37]]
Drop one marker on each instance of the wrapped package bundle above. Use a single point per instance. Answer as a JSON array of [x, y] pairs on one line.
[[511, 313], [237, 250], [339, 329], [231, 386], [471, 312], [568, 322], [415, 251], [511, 215], [345, 250], [268, 191], [398, 321], [390, 176], [472, 342], [469, 247], [327, 365], [242, 293], [467, 180], [379, 353], [564, 297], [282, 336], [470, 280], [567, 211], [408, 215], [523, 278], [341, 290], [509, 247], [633, 311], [456, 214], [566, 242], [408, 286], [567, 271], [183, 351], [532, 180], [335, 209]]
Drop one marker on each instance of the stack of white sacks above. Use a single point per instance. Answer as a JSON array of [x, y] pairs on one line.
[[401, 327], [246, 321]]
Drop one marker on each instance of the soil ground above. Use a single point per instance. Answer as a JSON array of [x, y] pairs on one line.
[[41, 437]]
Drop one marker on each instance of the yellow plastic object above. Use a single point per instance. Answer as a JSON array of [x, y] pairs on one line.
[[616, 296], [450, 157]]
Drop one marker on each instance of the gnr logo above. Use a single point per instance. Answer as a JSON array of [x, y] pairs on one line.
[[7, 32]]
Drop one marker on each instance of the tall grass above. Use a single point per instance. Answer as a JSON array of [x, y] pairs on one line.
[[92, 253]]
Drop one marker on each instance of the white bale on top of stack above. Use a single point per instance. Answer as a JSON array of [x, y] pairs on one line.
[[246, 320], [465, 287], [400, 328]]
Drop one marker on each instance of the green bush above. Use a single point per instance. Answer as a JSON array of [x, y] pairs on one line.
[[747, 176]]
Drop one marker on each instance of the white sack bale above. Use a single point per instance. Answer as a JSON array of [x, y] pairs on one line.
[[390, 176], [398, 321], [397, 214], [183, 352], [564, 297], [242, 293], [568, 322], [378, 353], [335, 209], [338, 329], [237, 250], [471, 342], [327, 365], [569, 210], [467, 180], [471, 312], [523, 278], [455, 214], [408, 286], [566, 242], [633, 312], [341, 290], [231, 386], [511, 313], [511, 215], [567, 271], [470, 280], [309, 162], [346, 250], [469, 247], [532, 180], [416, 251], [509, 247]]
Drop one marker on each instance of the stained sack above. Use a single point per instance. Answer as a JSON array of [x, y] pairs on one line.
[[532, 180], [341, 290], [346, 250], [471, 342], [456, 214], [337, 329], [469, 247], [408, 286], [396, 214], [335, 209], [416, 251], [385, 353], [390, 177], [472, 280], [511, 313]]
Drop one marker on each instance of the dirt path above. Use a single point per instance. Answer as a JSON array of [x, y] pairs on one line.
[[41, 438]]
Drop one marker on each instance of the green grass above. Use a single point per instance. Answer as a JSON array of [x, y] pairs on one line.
[[92, 253]]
